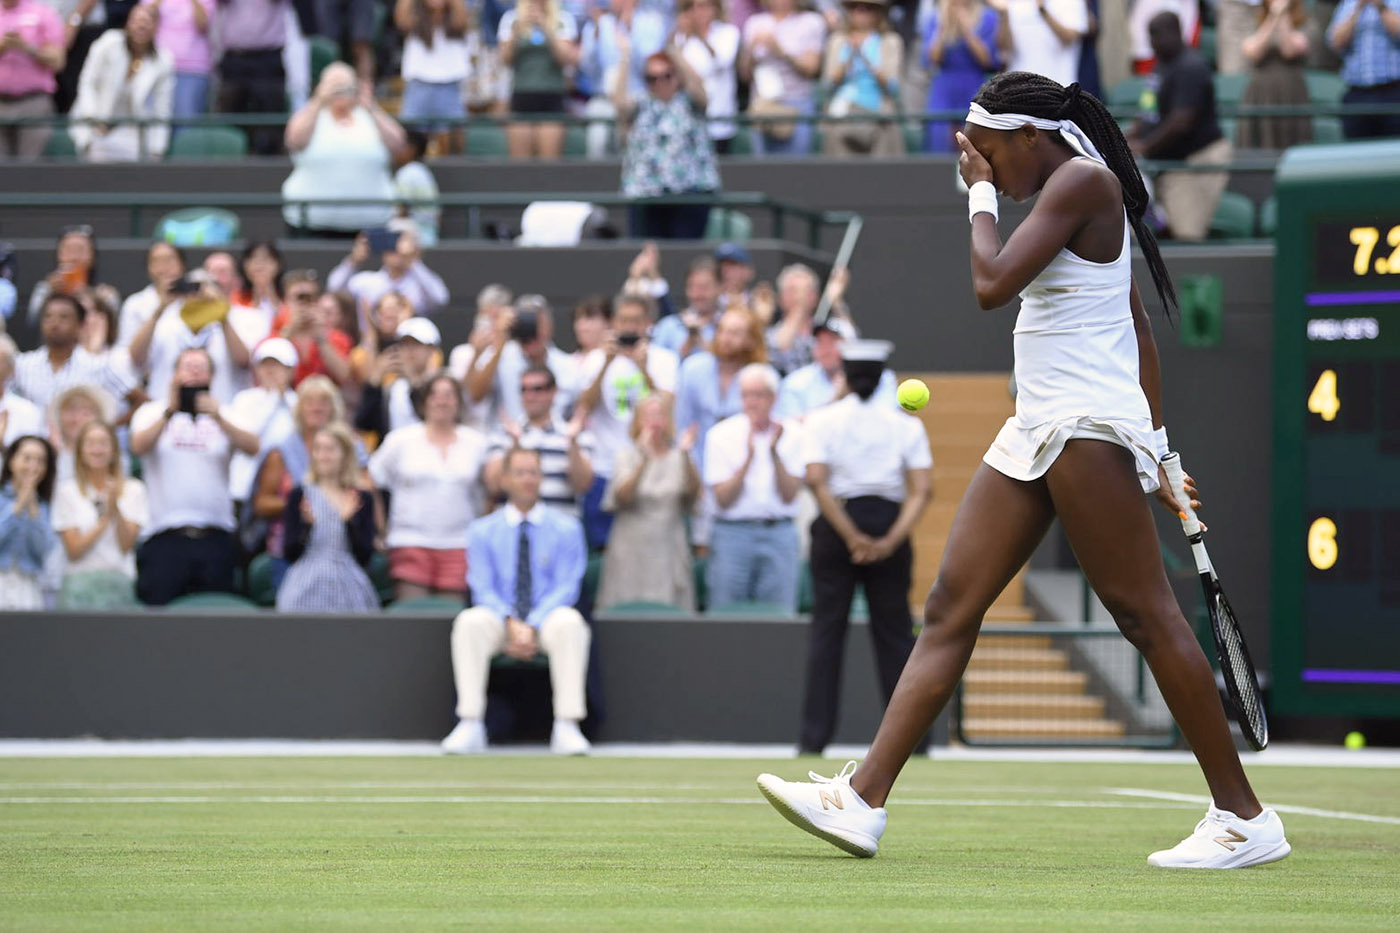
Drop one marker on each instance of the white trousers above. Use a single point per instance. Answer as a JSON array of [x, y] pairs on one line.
[[478, 635]]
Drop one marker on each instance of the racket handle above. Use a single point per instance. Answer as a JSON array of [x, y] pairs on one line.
[[1176, 478]]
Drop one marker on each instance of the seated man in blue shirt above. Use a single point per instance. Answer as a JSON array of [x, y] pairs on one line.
[[525, 564]]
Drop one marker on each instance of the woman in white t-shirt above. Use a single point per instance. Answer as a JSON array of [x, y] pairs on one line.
[[435, 63], [99, 514], [711, 46], [342, 145], [432, 472]]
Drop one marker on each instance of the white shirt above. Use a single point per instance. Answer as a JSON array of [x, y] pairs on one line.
[[715, 65], [171, 337], [253, 325], [74, 509], [623, 390], [136, 310], [1037, 48], [186, 473], [423, 287], [340, 161], [506, 402], [433, 498], [37, 380], [269, 417], [444, 63], [727, 445], [24, 418], [459, 364], [867, 447]]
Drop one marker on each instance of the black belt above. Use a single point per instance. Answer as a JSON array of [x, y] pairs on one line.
[[16, 98], [764, 522], [194, 532]]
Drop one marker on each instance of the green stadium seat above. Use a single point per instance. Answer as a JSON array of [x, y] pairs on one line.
[[323, 52], [575, 141], [260, 587], [728, 225], [1230, 88], [804, 588], [642, 607], [60, 145], [752, 608], [1210, 44], [378, 571], [199, 226], [1127, 93], [1324, 87], [1268, 216], [447, 606], [1327, 130], [208, 142], [742, 144], [1234, 218], [701, 570], [487, 141], [211, 602]]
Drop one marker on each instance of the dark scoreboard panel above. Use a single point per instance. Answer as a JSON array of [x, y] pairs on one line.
[[1336, 547]]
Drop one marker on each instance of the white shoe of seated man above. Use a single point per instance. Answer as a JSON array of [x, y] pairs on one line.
[[829, 809], [467, 738], [1223, 840], [566, 739]]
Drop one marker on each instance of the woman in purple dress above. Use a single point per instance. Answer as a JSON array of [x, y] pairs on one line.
[[964, 43]]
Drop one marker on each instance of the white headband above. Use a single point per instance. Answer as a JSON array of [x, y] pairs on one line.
[[977, 115]]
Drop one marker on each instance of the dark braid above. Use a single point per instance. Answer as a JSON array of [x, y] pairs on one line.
[[1038, 96]]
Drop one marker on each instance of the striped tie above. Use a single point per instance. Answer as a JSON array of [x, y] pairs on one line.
[[524, 585]]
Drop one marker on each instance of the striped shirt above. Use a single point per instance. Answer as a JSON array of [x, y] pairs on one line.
[[37, 380], [553, 444]]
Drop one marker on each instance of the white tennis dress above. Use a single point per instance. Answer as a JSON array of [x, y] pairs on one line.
[[1076, 369]]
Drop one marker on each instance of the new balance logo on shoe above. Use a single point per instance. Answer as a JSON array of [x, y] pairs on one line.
[[831, 798], [1230, 840]]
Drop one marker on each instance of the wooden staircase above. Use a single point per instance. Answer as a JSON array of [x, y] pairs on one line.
[[1017, 687]]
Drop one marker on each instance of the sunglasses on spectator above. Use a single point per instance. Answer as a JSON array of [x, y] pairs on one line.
[[301, 296], [537, 387], [656, 77]]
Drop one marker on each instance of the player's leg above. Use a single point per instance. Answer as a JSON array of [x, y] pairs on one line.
[[1109, 524], [997, 526]]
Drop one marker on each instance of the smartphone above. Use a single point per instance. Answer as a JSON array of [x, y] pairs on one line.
[[184, 286], [628, 340], [187, 397], [382, 240]]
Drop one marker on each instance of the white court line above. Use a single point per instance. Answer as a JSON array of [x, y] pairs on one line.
[[1281, 808], [570, 800]]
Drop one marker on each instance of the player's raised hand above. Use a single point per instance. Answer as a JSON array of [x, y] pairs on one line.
[[972, 165]]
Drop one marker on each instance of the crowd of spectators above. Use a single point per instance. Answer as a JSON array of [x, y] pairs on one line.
[[654, 78], [157, 445]]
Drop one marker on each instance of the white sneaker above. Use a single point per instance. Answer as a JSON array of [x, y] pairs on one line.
[[1223, 840], [467, 738], [829, 809], [566, 739]]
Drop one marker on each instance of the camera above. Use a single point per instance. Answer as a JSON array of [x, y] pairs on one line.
[[628, 340], [187, 397], [525, 327], [185, 286]]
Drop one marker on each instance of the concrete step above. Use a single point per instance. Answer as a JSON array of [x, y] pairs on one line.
[[982, 704], [1017, 659], [1023, 681], [1012, 728]]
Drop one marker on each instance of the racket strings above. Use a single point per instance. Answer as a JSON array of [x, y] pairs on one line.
[[1242, 673]]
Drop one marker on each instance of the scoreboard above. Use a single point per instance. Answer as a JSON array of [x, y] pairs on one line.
[[1336, 493]]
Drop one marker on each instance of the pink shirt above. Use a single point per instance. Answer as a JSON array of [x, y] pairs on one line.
[[178, 35], [39, 26]]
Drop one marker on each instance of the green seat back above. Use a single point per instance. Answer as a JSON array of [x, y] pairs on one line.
[[1234, 218], [751, 608], [575, 141], [378, 571], [60, 145], [1324, 87], [1327, 130], [448, 606], [486, 141], [260, 586], [208, 142], [644, 607], [1230, 88], [728, 225], [1268, 216], [211, 602], [323, 52]]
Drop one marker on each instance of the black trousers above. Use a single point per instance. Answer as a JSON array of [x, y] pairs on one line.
[[254, 82], [1370, 126], [173, 563], [834, 579], [669, 221]]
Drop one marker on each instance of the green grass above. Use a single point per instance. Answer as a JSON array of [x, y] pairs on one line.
[[963, 852]]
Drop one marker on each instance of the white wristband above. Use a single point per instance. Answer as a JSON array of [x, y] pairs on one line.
[[1159, 438], [981, 197]]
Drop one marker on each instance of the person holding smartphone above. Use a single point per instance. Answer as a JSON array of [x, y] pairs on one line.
[[185, 443], [401, 270]]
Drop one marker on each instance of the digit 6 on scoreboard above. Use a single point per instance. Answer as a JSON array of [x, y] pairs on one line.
[[1322, 543]]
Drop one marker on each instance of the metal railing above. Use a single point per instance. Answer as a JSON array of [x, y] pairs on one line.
[[137, 204]]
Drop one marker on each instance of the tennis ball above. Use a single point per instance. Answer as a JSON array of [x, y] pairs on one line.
[[1354, 740], [913, 394]]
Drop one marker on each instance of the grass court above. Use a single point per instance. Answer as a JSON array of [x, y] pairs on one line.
[[529, 842]]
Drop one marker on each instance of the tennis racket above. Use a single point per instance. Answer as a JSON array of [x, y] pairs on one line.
[[1241, 683]]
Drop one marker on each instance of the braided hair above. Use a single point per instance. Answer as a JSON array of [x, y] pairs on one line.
[[1038, 96]]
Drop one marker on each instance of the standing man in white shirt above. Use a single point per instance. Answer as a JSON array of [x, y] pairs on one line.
[[869, 467], [401, 270], [524, 338], [754, 470], [41, 374], [616, 378], [1047, 36], [185, 444]]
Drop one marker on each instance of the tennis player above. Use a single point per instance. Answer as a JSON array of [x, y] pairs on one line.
[[1085, 444]]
